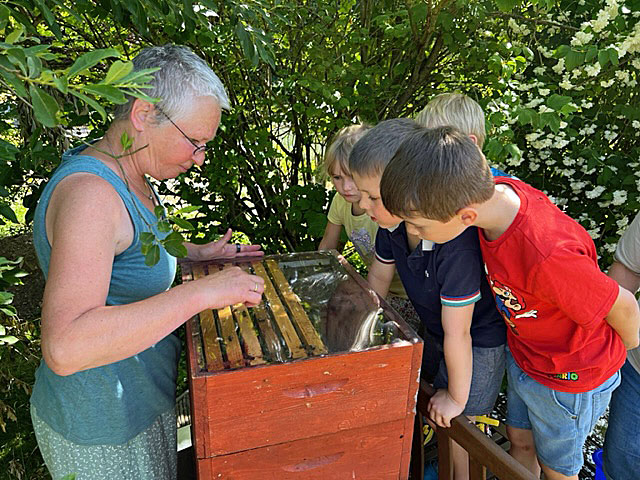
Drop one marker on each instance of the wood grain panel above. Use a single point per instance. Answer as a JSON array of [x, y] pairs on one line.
[[369, 453], [266, 405]]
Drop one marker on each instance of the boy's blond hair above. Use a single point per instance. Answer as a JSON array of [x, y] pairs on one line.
[[456, 110], [341, 146], [434, 174]]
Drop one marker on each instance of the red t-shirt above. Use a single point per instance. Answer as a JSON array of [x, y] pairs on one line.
[[545, 278]]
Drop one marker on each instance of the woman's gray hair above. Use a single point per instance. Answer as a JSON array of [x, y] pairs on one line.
[[182, 77]]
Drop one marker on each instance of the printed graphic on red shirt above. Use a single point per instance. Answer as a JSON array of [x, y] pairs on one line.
[[509, 305]]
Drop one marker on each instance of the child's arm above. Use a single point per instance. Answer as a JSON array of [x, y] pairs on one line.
[[331, 237], [625, 277], [624, 317], [380, 276], [458, 355]]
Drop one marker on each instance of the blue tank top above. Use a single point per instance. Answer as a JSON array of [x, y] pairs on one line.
[[113, 403]]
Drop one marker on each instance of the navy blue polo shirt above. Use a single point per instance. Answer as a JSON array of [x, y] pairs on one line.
[[451, 274]]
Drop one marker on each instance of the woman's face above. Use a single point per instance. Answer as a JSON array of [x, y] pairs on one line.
[[171, 151]]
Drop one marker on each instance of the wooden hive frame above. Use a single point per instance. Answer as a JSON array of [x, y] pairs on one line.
[[233, 337]]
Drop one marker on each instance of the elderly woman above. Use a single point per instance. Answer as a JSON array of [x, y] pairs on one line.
[[103, 401]]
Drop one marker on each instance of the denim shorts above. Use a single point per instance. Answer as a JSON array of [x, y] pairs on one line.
[[486, 379], [622, 441], [559, 421]]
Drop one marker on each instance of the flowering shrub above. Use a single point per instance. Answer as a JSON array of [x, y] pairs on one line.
[[564, 110]]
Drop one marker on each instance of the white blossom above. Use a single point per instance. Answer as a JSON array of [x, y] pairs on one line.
[[619, 197], [596, 192]]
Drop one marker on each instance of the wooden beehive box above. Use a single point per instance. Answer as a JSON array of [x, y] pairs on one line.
[[318, 382]]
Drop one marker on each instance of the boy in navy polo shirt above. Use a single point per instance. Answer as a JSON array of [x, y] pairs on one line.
[[446, 284]]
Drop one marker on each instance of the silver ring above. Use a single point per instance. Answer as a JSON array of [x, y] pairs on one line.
[[255, 288], [238, 247]]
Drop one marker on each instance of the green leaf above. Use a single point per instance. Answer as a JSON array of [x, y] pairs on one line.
[[188, 209], [592, 52], [175, 249], [117, 71], [164, 226], [9, 339], [603, 57], [90, 101], [182, 223], [4, 17], [552, 120], [15, 36], [8, 151], [126, 141], [152, 256], [613, 56], [13, 80], [88, 60], [18, 57], [574, 59], [248, 47], [44, 106], [34, 66], [419, 13], [5, 298], [147, 238], [106, 91], [506, 5], [61, 83], [494, 148], [158, 211], [513, 150], [50, 19], [8, 213], [562, 51], [525, 116], [556, 101]]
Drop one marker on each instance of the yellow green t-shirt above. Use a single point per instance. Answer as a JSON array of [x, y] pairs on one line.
[[361, 230]]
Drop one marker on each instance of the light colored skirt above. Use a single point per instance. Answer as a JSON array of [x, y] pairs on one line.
[[151, 455]]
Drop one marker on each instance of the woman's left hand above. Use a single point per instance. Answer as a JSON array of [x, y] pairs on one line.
[[222, 249]]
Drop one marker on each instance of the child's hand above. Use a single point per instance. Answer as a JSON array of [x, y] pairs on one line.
[[442, 408]]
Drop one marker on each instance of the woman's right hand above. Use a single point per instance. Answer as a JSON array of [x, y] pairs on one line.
[[230, 286]]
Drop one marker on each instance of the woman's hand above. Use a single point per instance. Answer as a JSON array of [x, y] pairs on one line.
[[222, 249], [229, 287]]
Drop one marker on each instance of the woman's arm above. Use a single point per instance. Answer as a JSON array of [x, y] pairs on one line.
[[78, 330], [331, 236]]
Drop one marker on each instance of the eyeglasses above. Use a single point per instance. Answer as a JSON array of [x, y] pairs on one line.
[[198, 148]]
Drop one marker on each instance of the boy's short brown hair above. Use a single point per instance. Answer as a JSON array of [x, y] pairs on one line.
[[457, 110], [340, 147], [435, 173], [377, 147]]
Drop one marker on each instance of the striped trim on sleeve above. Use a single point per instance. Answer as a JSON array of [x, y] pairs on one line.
[[460, 301], [386, 261]]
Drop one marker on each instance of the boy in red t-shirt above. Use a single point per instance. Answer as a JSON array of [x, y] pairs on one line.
[[568, 322]]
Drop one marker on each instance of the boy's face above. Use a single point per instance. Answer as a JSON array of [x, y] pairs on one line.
[[344, 184], [434, 230], [371, 202]]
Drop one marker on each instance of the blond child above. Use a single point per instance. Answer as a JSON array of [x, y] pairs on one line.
[[344, 212]]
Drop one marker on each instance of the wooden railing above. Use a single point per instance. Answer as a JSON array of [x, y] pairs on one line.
[[483, 452]]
